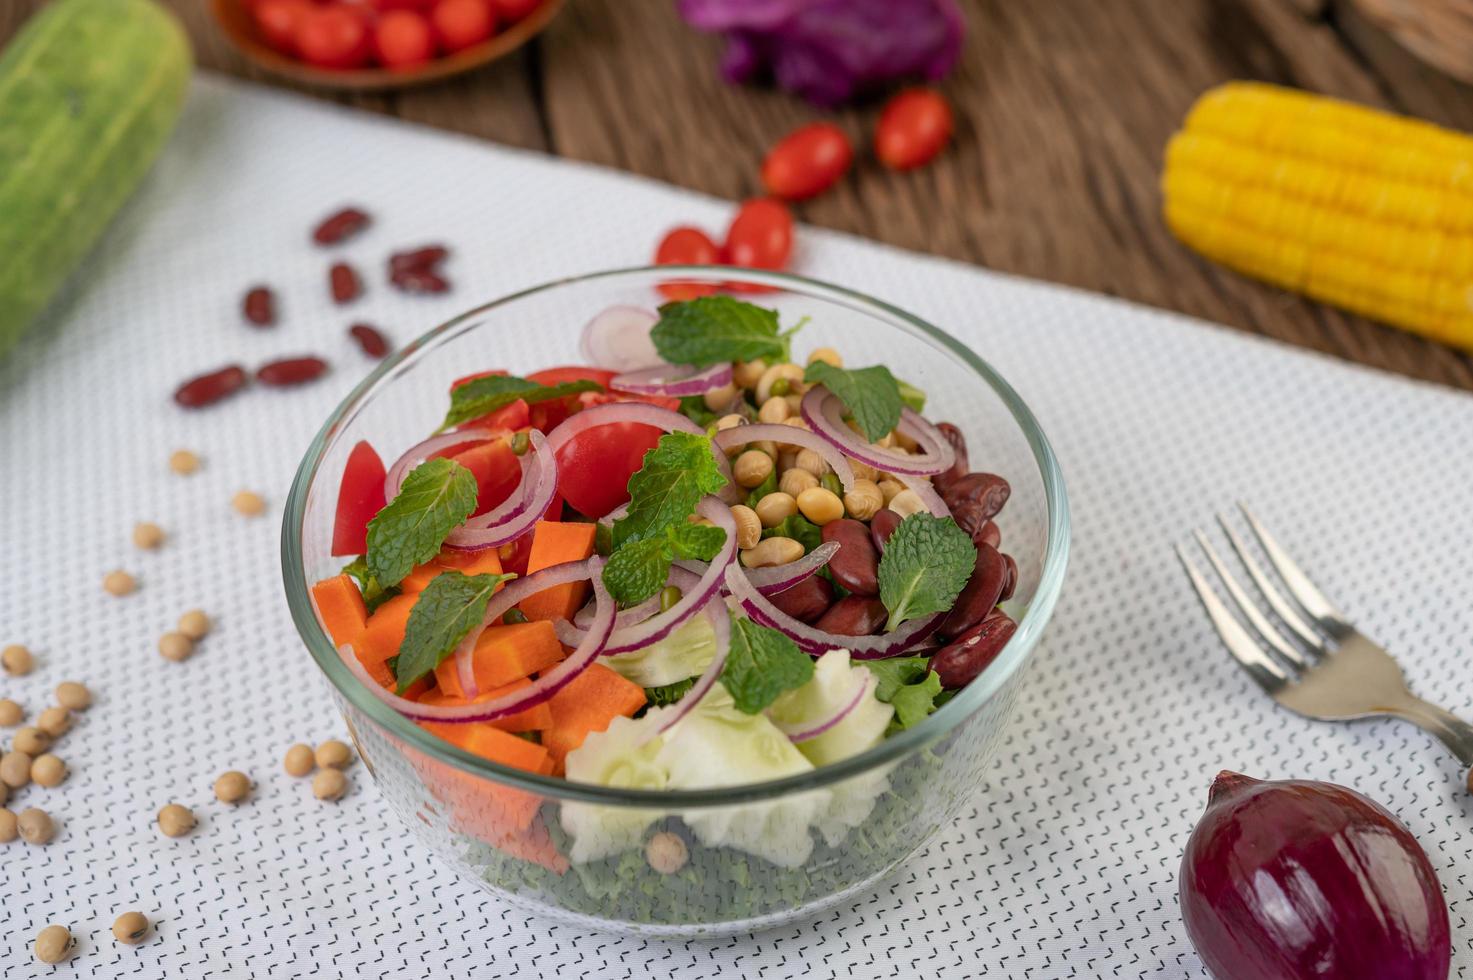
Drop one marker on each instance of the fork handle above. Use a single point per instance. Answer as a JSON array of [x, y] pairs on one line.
[[1451, 730]]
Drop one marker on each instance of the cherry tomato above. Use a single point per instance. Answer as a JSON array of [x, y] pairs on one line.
[[277, 22], [360, 497], [686, 246], [403, 38], [463, 23], [382, 5], [563, 375], [915, 125], [595, 467], [333, 37], [760, 237], [807, 161], [510, 10]]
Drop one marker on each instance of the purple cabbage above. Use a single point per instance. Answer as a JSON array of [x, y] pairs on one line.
[[829, 51]]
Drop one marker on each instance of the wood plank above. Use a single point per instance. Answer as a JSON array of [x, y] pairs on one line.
[[1063, 111]]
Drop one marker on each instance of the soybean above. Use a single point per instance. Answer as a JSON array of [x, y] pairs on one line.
[[176, 820], [73, 695], [130, 928], [333, 754], [36, 826], [17, 660]]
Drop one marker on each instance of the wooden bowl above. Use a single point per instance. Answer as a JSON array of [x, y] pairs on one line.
[[234, 17]]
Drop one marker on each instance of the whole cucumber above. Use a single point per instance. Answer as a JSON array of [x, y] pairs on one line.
[[89, 92]]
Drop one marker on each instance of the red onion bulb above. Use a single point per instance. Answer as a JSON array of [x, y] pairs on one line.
[[1301, 880]]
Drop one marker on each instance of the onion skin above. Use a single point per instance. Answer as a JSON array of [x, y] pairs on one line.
[[1302, 880]]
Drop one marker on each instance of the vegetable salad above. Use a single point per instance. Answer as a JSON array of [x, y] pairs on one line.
[[696, 564]]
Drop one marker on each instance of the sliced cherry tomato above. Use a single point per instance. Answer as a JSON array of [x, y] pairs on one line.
[[403, 38], [462, 24], [333, 37], [401, 4], [563, 375], [595, 467], [510, 10], [360, 497], [807, 161], [686, 246], [915, 125], [277, 21], [496, 468]]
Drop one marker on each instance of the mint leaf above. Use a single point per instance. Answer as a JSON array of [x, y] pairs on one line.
[[436, 498], [909, 685], [799, 528], [926, 563], [676, 474], [641, 568], [871, 395], [481, 395], [695, 542], [914, 398], [669, 693], [762, 664], [711, 329], [637, 571], [374, 595], [448, 608]]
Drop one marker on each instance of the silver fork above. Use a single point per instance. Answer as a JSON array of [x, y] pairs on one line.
[[1333, 672]]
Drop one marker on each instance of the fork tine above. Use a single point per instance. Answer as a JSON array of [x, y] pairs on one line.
[[1304, 591], [1281, 606], [1249, 611], [1269, 675]]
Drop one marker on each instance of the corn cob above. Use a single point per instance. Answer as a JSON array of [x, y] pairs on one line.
[[1355, 207]]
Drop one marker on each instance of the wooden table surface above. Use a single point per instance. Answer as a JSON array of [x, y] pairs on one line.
[[1063, 109]]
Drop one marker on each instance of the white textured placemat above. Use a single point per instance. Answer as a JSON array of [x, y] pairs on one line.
[[1065, 866]]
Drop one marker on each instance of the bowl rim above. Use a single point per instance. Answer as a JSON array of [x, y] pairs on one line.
[[938, 724]]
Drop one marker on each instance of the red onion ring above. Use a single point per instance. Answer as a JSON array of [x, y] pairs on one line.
[[518, 513], [816, 642], [656, 628], [681, 578], [657, 381], [541, 689], [619, 339], [611, 413], [720, 618], [927, 493], [863, 687], [823, 411], [791, 434], [418, 453], [780, 578]]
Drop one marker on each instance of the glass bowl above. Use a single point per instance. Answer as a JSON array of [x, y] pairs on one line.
[[757, 856]]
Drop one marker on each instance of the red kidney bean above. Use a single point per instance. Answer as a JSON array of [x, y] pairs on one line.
[[259, 306], [881, 526], [291, 371], [340, 226], [970, 517], [853, 615], [420, 281], [210, 388], [959, 468], [1011, 585], [343, 280], [856, 565], [959, 662], [807, 600], [417, 260], [979, 596], [373, 342], [987, 489]]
